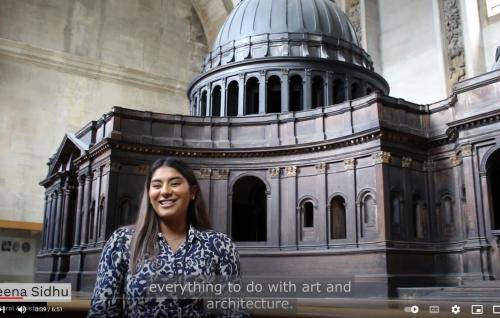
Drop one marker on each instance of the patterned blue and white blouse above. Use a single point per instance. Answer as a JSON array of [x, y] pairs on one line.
[[204, 255]]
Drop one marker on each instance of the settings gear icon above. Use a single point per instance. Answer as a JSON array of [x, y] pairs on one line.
[[455, 309]]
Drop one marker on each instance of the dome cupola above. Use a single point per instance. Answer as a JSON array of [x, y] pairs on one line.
[[275, 56]]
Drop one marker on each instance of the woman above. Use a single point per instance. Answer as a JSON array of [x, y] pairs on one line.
[[170, 243]]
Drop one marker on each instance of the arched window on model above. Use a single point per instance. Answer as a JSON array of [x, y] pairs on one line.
[[249, 210], [308, 214], [369, 210], [338, 93], [296, 99], [369, 90], [306, 220], [318, 92], [273, 94], [337, 218], [419, 217], [493, 180], [126, 210], [252, 96], [216, 101], [355, 90], [232, 98], [445, 211], [396, 211], [195, 106], [203, 104]]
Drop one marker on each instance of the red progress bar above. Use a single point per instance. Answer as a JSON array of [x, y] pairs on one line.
[[11, 297]]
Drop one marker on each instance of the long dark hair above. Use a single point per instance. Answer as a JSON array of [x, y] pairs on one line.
[[144, 241]]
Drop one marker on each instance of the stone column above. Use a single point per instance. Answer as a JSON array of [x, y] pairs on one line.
[[79, 212], [407, 211], [347, 92], [322, 234], [460, 227], [285, 96], [382, 161], [85, 208], [434, 233], [219, 207], [68, 196], [241, 95], [45, 223], [223, 98], [262, 92], [275, 207], [306, 88], [352, 220], [290, 235], [209, 100], [50, 234], [57, 230], [470, 193]]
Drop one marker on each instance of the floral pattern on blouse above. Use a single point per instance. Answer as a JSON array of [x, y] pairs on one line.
[[204, 255]]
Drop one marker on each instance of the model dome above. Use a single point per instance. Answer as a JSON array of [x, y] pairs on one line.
[[265, 17], [281, 56]]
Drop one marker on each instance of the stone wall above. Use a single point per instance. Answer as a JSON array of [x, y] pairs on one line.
[[64, 63], [411, 50]]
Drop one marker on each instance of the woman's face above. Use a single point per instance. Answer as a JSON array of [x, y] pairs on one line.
[[170, 194]]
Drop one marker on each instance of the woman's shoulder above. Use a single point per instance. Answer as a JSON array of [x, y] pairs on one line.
[[121, 237]]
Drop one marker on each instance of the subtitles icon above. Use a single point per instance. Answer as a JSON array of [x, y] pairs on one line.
[[434, 309], [496, 309], [455, 309], [476, 309]]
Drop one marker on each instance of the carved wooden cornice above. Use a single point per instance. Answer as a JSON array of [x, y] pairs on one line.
[[274, 172], [204, 173], [472, 122], [108, 143], [350, 164], [456, 160], [406, 162], [466, 150], [382, 157], [220, 174], [429, 166], [321, 167], [291, 171]]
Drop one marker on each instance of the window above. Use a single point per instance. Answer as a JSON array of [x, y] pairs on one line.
[[232, 99], [216, 101], [249, 210], [274, 94], [252, 97], [493, 7], [308, 214], [338, 223], [296, 94]]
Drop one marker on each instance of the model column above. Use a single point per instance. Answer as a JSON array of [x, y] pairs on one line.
[[85, 208], [78, 216], [290, 234], [68, 196], [274, 227]]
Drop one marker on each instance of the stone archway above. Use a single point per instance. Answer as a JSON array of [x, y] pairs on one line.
[[212, 14]]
